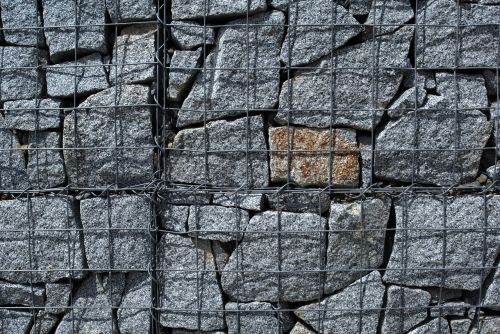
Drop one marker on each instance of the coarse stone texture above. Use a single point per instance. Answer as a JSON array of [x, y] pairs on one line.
[[405, 309], [90, 77], [240, 75], [468, 91], [21, 80], [355, 240], [388, 15], [13, 173], [407, 102], [360, 7], [185, 331], [131, 10], [365, 150], [221, 254], [31, 115], [62, 37], [440, 294], [311, 34], [133, 316], [439, 46], [254, 317], [14, 321], [251, 202], [493, 172], [252, 270], [58, 297], [313, 156], [300, 329], [190, 295], [300, 202], [17, 294], [127, 246], [217, 223], [44, 323], [19, 17], [348, 95], [93, 304], [487, 325], [55, 252], [134, 56], [460, 326], [45, 161], [186, 196], [417, 254], [492, 296], [195, 9], [340, 313], [124, 130], [439, 325], [450, 309], [228, 143], [174, 217], [189, 35], [183, 69]]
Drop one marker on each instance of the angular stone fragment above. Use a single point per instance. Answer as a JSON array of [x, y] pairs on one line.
[[493, 172], [124, 130], [58, 297], [237, 154], [21, 79], [134, 56], [12, 169], [438, 44], [407, 102], [365, 150], [45, 162], [492, 82], [44, 323], [31, 115], [187, 196], [439, 294], [183, 69], [251, 202], [62, 37], [189, 35], [175, 217], [352, 251], [460, 326], [314, 156], [195, 9], [360, 7], [417, 255], [20, 19], [190, 296], [17, 294], [405, 309], [89, 72], [14, 321], [341, 91], [55, 252], [487, 325], [388, 15], [450, 309], [439, 325], [217, 223], [221, 254], [354, 309], [300, 202], [251, 272], [467, 91], [130, 10], [133, 316], [126, 246], [311, 34], [238, 77], [300, 329], [492, 296], [254, 317]]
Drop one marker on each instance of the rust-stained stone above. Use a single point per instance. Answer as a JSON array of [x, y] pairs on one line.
[[310, 156]]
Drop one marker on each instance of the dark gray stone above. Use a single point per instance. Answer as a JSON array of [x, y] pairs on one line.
[[217, 223], [487, 325], [183, 69], [185, 331], [419, 241], [407, 102], [17, 294], [311, 100], [458, 309], [460, 326], [439, 294], [468, 91], [59, 20], [365, 150], [44, 323], [187, 196], [190, 295], [250, 201], [388, 15], [493, 172], [439, 325], [189, 35], [13, 173], [195, 9], [186, 161], [55, 252], [97, 122], [45, 161], [89, 72], [221, 254], [31, 115], [131, 10], [300, 202], [352, 251], [58, 297], [133, 316], [302, 244], [134, 56], [14, 321], [127, 246], [492, 83], [230, 89], [340, 313], [492, 296], [254, 317], [174, 217], [19, 19]]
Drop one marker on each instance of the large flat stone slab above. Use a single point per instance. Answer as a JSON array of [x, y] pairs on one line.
[[214, 222], [195, 9], [20, 18], [31, 115]]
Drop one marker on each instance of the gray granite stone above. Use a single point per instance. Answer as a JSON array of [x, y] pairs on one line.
[[44, 323], [186, 196], [221, 254], [14, 321], [13, 173], [133, 316], [493, 172], [365, 144], [460, 326], [97, 122], [419, 241], [251, 272], [217, 222], [300, 329], [254, 317], [58, 297], [186, 162], [492, 296], [440, 294], [352, 251], [407, 102], [31, 115], [405, 309], [183, 69], [306, 99], [190, 295], [45, 161], [230, 89], [56, 251], [458, 309], [388, 15], [252, 202], [18, 20], [17, 294], [437, 45], [131, 10], [195, 9], [189, 35], [134, 56], [21, 80], [127, 246], [311, 35], [340, 313], [300, 202], [439, 325], [487, 325], [185, 331], [468, 90], [174, 217], [62, 37], [360, 7]]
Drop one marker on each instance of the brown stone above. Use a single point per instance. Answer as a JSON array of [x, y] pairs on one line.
[[309, 157]]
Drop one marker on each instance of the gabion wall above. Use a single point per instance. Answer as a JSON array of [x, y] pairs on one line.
[[249, 166]]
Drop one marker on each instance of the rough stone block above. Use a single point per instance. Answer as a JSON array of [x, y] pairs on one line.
[[44, 323], [13, 175], [58, 297], [17, 294], [133, 316], [14, 321], [131, 10], [455, 309], [174, 217], [439, 325], [20, 17], [365, 150], [189, 35], [254, 317], [300, 202], [45, 161], [217, 223], [183, 69], [31, 115], [492, 296], [196, 9], [300, 329], [252, 202], [387, 16]]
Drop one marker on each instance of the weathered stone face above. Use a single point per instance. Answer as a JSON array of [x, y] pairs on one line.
[[17, 294], [45, 161], [130, 10], [174, 217], [183, 69], [13, 174], [194, 9], [133, 316], [300, 202], [20, 17], [251, 202], [14, 321], [31, 115], [492, 297], [189, 35], [259, 318], [317, 157], [439, 325], [388, 16]]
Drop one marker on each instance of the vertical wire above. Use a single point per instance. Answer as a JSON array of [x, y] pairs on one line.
[[31, 244], [110, 255], [443, 260]]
